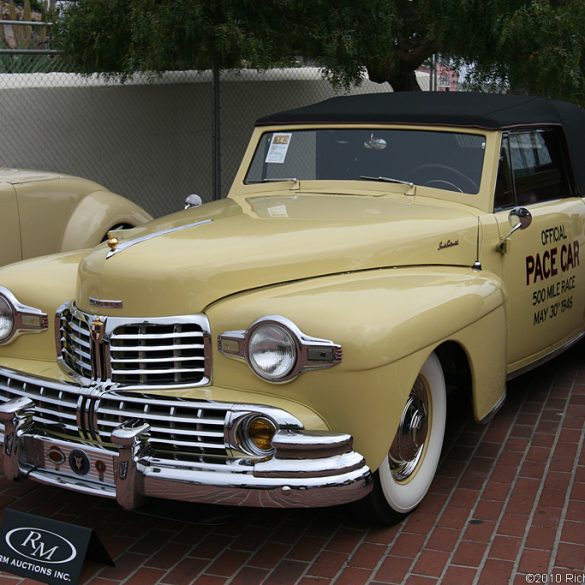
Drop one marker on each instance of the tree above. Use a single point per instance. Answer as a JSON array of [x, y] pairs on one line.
[[533, 46], [539, 47]]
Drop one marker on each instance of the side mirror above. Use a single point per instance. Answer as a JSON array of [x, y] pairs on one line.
[[193, 200], [519, 218]]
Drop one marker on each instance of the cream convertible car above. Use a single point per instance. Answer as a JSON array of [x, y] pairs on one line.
[[293, 345], [43, 213]]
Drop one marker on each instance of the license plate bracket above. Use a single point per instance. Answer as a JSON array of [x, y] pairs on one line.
[[65, 459]]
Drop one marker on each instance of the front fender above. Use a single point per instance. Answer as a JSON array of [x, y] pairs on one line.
[[388, 322], [381, 316], [95, 215]]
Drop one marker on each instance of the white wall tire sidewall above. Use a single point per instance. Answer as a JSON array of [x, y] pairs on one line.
[[403, 497]]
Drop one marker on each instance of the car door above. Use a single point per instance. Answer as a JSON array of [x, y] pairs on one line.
[[10, 248], [541, 266]]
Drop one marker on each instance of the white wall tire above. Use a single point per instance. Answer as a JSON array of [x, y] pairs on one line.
[[406, 474]]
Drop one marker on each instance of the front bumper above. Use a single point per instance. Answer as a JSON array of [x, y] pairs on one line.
[[307, 469]]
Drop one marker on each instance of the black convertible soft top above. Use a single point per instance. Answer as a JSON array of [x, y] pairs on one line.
[[464, 109], [479, 110]]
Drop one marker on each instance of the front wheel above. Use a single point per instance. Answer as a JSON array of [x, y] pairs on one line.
[[407, 471]]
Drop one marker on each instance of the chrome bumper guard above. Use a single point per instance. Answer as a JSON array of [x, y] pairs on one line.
[[308, 468]]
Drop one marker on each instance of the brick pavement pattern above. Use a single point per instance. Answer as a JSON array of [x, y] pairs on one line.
[[508, 501]]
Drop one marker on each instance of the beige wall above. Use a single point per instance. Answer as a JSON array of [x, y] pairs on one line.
[[149, 140]]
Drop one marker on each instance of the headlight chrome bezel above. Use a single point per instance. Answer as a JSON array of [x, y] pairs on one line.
[[7, 321], [312, 353], [25, 319]]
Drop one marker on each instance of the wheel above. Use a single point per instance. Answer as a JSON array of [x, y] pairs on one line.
[[440, 174], [405, 475]]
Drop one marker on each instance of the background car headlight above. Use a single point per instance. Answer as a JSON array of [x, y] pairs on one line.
[[6, 319], [272, 351]]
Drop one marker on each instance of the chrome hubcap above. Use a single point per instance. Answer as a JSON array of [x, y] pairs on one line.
[[409, 443]]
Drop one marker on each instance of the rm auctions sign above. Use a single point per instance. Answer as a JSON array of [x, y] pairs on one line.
[[46, 550]]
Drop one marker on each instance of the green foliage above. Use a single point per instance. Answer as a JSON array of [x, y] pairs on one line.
[[532, 46], [535, 46], [27, 37], [125, 36]]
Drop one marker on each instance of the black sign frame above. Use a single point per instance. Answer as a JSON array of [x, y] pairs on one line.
[[47, 550]]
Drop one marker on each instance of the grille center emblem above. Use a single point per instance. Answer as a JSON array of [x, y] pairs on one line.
[[98, 328], [99, 356]]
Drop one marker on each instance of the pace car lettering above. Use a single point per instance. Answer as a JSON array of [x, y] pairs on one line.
[[550, 312], [553, 235], [554, 290], [543, 265]]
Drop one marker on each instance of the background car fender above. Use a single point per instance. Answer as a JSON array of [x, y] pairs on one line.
[[53, 283], [388, 322], [95, 215]]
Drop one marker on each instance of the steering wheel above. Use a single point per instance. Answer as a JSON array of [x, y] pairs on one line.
[[439, 169]]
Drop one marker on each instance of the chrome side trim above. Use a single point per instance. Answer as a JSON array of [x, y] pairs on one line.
[[129, 243], [494, 409], [546, 358], [26, 319]]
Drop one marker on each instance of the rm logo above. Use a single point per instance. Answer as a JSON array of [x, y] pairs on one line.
[[37, 544]]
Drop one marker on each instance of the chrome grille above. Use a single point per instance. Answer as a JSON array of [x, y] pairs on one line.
[[179, 429], [75, 341], [133, 352], [55, 404], [157, 354]]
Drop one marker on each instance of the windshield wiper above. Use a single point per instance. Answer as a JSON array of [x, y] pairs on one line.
[[387, 180], [280, 180]]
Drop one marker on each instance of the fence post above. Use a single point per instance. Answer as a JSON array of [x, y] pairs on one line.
[[216, 150]]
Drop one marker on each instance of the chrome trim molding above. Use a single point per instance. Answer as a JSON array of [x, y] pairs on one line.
[[26, 319], [307, 468], [494, 409], [546, 358], [313, 353], [120, 247], [107, 303]]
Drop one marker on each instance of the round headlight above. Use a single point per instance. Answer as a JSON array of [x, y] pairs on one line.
[[6, 319], [272, 351]]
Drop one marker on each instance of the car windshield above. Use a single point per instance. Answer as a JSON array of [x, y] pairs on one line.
[[443, 160]]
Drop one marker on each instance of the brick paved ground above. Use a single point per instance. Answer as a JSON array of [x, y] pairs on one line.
[[509, 500]]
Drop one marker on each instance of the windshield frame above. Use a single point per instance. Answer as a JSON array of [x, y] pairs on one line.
[[482, 200]]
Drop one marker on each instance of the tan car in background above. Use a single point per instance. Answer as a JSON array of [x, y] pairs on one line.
[[294, 345], [43, 213]]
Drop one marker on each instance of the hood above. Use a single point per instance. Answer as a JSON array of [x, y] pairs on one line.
[[184, 262]]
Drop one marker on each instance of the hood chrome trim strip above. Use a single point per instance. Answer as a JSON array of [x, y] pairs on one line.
[[129, 243]]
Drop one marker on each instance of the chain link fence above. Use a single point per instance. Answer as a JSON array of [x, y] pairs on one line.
[[150, 139]]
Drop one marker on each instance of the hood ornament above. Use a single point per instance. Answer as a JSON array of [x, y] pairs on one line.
[[112, 241]]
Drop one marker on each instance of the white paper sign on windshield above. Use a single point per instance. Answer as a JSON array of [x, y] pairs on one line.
[[278, 147]]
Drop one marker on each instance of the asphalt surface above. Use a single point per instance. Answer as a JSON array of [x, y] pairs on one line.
[[507, 506]]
